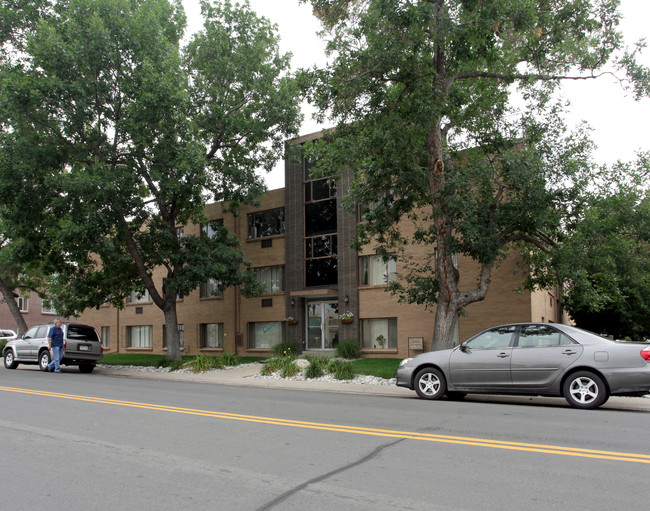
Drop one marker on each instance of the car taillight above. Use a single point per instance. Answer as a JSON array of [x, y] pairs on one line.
[[645, 353]]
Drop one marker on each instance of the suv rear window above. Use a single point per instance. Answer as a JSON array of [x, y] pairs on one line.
[[83, 333]]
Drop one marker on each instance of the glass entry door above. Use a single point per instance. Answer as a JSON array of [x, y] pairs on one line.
[[322, 325]]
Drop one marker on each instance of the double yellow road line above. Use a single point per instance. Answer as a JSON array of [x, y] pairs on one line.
[[408, 435]]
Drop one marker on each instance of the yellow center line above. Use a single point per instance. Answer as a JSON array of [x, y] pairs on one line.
[[409, 435]]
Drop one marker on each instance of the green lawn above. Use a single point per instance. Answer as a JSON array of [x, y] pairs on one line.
[[381, 367]]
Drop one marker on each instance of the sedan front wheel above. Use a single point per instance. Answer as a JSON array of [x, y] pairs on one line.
[[430, 383], [585, 390]]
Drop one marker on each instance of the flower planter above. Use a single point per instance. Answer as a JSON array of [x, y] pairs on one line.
[[293, 322], [347, 321]]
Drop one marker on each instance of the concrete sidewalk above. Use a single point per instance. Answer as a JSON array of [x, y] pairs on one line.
[[243, 376]]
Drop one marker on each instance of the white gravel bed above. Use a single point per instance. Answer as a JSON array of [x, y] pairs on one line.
[[360, 379]]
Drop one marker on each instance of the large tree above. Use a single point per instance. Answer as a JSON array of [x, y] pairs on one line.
[[136, 134], [422, 95], [604, 261]]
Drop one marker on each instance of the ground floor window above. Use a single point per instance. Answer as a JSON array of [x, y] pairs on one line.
[[211, 335], [139, 336], [181, 336], [265, 335], [379, 333], [106, 336]]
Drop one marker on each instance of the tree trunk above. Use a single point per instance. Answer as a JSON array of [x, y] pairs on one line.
[[171, 331], [10, 300]]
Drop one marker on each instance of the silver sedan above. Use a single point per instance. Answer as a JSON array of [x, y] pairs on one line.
[[534, 359]]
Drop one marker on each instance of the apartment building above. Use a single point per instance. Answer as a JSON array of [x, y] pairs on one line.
[[298, 242]]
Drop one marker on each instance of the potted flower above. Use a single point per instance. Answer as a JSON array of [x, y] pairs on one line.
[[381, 340], [347, 317], [291, 320]]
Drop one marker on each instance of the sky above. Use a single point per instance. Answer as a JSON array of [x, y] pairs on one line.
[[620, 124]]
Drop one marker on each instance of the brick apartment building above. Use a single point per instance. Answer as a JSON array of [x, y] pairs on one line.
[[33, 308], [298, 243]]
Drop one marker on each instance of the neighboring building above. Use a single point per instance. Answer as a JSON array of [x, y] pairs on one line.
[[298, 242], [34, 309]]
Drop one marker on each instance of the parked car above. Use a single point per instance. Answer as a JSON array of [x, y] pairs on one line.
[[6, 334], [82, 346], [533, 359]]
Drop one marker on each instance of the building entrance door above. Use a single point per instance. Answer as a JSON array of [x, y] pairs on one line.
[[322, 325]]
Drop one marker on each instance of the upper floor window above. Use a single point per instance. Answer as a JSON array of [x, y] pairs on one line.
[[47, 307], [23, 304], [266, 223], [272, 277], [320, 189], [375, 270], [210, 229], [141, 296], [211, 288]]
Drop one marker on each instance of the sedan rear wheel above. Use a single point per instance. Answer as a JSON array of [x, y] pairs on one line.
[[585, 390], [430, 383]]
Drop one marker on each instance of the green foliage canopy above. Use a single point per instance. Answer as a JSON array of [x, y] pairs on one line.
[[118, 136], [422, 95]]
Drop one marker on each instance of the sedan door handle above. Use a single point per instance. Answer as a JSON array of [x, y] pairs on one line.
[[569, 352], [503, 355]]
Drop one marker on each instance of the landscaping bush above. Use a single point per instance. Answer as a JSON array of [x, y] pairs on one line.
[[284, 348], [317, 367], [229, 359], [341, 369], [348, 349], [286, 365], [205, 363], [3, 343]]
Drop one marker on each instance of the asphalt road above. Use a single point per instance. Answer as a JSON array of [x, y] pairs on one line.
[[73, 441]]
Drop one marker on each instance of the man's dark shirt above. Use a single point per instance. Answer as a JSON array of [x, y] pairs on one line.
[[56, 336]]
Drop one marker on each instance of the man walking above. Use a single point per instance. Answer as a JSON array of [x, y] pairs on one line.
[[55, 343]]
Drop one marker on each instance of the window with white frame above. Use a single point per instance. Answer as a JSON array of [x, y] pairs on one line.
[[47, 307], [23, 304], [211, 288], [141, 296], [379, 333], [375, 270], [271, 277], [211, 335], [106, 336], [140, 336], [265, 335]]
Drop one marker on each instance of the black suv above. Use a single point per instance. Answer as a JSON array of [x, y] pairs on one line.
[[81, 347]]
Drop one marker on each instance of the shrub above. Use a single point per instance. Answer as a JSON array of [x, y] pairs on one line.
[[229, 359], [285, 347], [348, 349], [341, 369], [205, 363], [286, 365], [175, 365], [3, 343], [317, 367]]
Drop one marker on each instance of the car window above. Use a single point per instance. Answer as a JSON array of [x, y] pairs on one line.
[[42, 331], [31, 333], [82, 333], [542, 335], [494, 338]]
